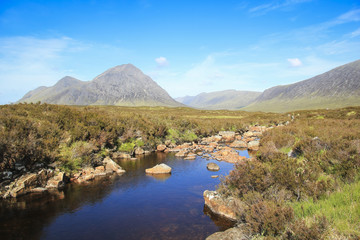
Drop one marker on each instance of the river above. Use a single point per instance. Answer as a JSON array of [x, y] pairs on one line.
[[131, 206]]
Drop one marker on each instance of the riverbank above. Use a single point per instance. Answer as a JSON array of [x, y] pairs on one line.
[[21, 181]]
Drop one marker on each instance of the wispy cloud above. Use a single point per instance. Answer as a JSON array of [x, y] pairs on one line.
[[295, 62], [162, 61], [28, 62], [275, 5], [355, 33]]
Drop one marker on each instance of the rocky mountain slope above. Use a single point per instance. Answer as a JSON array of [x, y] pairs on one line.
[[336, 88], [228, 99], [123, 85]]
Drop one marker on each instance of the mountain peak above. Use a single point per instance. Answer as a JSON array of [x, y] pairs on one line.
[[67, 81], [124, 85], [128, 68]]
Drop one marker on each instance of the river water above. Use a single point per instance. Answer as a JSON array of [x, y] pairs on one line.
[[131, 206]]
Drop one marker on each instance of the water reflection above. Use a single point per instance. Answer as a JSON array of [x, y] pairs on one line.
[[131, 206]]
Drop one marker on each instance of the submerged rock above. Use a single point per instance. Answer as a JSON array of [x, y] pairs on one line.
[[159, 169], [213, 167]]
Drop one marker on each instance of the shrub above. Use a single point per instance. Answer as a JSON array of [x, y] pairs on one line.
[[127, 147], [268, 218], [78, 155], [299, 230], [249, 176]]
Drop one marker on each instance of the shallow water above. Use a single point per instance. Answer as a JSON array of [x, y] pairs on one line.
[[131, 206]]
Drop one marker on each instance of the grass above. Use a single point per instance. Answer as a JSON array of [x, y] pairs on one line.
[[216, 117], [342, 209], [285, 105]]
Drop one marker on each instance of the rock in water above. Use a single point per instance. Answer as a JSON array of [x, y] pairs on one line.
[[159, 169], [238, 144], [226, 207], [227, 136], [112, 166], [139, 151], [253, 145], [213, 167], [161, 148]]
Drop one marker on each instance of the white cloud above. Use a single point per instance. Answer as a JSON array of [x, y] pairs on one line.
[[295, 62], [350, 16], [162, 61], [274, 5]]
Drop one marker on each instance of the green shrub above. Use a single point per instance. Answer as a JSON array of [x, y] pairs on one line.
[[127, 147]]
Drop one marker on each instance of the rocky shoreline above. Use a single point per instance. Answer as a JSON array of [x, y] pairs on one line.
[[53, 178], [21, 181]]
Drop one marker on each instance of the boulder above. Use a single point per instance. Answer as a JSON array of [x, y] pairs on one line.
[[139, 151], [258, 128], [212, 167], [118, 155], [111, 166], [238, 144], [248, 134], [211, 139], [227, 154], [234, 233], [181, 154], [159, 169], [227, 136], [57, 181], [22, 185], [253, 145], [161, 148], [226, 207], [191, 156]]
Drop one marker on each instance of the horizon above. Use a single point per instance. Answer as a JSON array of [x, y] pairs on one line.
[[187, 48]]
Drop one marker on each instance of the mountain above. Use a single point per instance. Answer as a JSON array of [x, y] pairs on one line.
[[228, 99], [336, 88], [123, 85]]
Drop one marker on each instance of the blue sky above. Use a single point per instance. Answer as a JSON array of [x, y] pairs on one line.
[[187, 47]]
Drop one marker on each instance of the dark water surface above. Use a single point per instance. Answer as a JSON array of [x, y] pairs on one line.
[[131, 206]]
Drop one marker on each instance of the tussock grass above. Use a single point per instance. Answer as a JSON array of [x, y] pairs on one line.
[[341, 208]]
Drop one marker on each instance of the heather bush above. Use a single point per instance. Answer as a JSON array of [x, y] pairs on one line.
[[299, 230], [268, 218]]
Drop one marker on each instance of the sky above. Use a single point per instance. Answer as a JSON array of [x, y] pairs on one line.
[[187, 47]]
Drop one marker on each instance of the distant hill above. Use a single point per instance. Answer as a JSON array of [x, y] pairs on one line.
[[228, 99], [123, 85], [336, 88]]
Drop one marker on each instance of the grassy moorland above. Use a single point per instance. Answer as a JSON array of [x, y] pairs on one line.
[[78, 136], [304, 182]]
